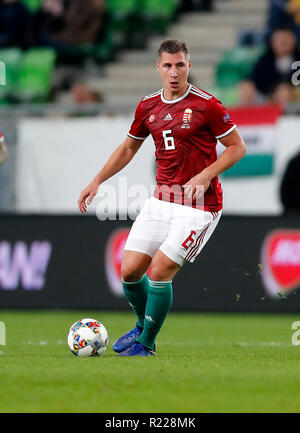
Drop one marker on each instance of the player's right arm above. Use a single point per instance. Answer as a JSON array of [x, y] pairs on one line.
[[118, 160]]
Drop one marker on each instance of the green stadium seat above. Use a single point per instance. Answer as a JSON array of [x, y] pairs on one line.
[[34, 81], [126, 23], [11, 57], [100, 52], [237, 65], [227, 95], [122, 9], [227, 75], [32, 5], [158, 14]]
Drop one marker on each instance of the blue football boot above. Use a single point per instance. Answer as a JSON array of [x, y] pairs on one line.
[[127, 340], [137, 349]]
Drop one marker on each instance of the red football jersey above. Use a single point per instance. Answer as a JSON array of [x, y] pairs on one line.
[[185, 133]]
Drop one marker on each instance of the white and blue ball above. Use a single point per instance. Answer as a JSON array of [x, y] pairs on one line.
[[87, 337]]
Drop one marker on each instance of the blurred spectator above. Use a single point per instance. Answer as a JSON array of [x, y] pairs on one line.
[[284, 13], [15, 24], [81, 24], [296, 93], [275, 65], [48, 19], [81, 94], [66, 22], [293, 8], [283, 94], [247, 94], [290, 187]]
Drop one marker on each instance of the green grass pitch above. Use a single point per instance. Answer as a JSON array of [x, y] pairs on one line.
[[204, 363]]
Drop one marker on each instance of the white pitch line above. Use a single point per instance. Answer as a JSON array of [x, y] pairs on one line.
[[263, 343], [242, 344]]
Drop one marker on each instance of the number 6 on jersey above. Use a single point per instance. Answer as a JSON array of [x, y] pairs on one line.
[[169, 141]]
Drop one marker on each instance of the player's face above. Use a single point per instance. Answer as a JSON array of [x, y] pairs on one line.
[[174, 70]]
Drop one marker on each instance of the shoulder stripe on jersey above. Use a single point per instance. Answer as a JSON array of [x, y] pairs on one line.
[[205, 95], [152, 95], [136, 138], [200, 96], [227, 132], [195, 89]]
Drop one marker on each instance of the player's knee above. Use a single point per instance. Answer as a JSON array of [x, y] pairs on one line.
[[162, 268], [158, 273], [129, 274]]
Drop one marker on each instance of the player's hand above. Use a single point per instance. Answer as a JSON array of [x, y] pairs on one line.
[[196, 187], [87, 195]]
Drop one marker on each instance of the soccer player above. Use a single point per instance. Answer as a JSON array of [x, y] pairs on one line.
[[173, 225]]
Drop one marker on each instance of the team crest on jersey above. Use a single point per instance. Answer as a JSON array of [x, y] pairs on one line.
[[152, 118], [187, 117]]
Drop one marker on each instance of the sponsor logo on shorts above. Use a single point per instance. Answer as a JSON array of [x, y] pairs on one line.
[[281, 262]]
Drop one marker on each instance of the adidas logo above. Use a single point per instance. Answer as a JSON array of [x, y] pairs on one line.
[[168, 117], [149, 318]]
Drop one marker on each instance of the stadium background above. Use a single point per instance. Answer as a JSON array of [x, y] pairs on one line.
[[67, 103]]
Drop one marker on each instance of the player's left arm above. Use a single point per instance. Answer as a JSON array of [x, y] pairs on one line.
[[235, 150]]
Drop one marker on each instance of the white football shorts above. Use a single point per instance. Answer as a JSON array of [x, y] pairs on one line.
[[180, 232]]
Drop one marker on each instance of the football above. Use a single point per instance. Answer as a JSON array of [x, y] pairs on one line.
[[87, 337]]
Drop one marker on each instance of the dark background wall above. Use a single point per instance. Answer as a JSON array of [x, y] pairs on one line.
[[63, 262]]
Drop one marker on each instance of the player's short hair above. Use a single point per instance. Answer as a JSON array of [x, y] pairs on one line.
[[172, 46]]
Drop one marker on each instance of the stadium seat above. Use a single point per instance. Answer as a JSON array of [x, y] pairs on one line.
[[101, 52], [122, 9], [158, 14], [34, 81], [126, 23], [11, 57], [237, 65], [227, 95], [32, 5]]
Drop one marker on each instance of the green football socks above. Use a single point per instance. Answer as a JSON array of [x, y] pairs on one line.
[[159, 301], [136, 293]]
